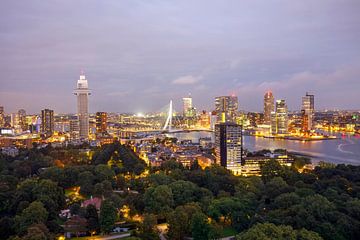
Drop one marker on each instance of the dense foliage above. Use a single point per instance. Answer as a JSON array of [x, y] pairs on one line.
[[203, 204]]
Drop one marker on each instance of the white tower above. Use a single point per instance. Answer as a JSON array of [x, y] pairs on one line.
[[82, 92]]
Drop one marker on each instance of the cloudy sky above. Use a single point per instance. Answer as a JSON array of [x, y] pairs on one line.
[[137, 55]]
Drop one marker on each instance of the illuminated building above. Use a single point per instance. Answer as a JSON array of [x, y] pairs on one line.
[[204, 120], [308, 111], [2, 117], [82, 92], [187, 106], [15, 123], [252, 165], [228, 146], [22, 120], [279, 119], [47, 122], [74, 129], [226, 108], [101, 122], [213, 119], [268, 107]]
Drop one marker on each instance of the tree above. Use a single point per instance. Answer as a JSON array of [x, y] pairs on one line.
[[269, 231], [107, 216], [180, 220], [148, 227], [200, 227], [37, 232], [270, 170], [35, 213], [159, 200], [183, 192], [85, 182], [92, 218]]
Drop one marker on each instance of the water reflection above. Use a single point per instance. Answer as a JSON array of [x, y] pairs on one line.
[[345, 149]]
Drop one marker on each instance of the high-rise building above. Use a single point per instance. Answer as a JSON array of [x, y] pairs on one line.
[[2, 116], [47, 121], [82, 92], [279, 118], [308, 111], [226, 108], [22, 120], [268, 107], [228, 146], [187, 106], [101, 122], [74, 129]]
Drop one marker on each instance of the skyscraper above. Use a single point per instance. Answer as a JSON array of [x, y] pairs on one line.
[[47, 121], [101, 122], [82, 92], [226, 108], [268, 107], [2, 117], [22, 120], [308, 111], [228, 146], [279, 118], [187, 106]]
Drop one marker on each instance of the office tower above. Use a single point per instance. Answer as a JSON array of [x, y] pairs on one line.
[[213, 120], [47, 122], [226, 108], [308, 111], [2, 117], [74, 129], [204, 120], [82, 92], [101, 122], [187, 106], [15, 121], [268, 107], [22, 120], [279, 118], [228, 146]]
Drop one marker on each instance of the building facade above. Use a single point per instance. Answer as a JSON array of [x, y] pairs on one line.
[[82, 92], [228, 146], [101, 122], [47, 122], [226, 108], [307, 111], [268, 107], [279, 119], [187, 106]]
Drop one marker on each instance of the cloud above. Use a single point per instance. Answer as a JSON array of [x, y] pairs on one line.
[[187, 80]]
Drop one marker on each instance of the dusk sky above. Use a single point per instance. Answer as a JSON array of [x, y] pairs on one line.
[[137, 55]]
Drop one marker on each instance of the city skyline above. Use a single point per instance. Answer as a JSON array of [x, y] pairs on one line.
[[139, 55]]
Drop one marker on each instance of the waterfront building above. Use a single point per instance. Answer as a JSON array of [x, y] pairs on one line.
[[213, 120], [187, 106], [228, 146], [279, 119], [252, 165], [307, 111], [204, 120], [82, 92], [47, 122], [226, 108], [101, 122], [268, 107]]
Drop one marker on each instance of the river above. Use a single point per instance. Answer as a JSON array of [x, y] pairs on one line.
[[345, 149]]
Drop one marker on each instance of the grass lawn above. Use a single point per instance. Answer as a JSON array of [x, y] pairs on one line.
[[229, 231]]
